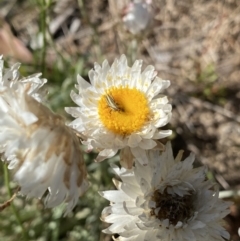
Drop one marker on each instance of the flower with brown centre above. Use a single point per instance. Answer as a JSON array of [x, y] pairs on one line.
[[166, 200]]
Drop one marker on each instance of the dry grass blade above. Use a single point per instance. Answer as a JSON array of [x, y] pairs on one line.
[[9, 201]]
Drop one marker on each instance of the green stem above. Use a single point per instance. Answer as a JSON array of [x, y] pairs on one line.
[[133, 51], [14, 210], [95, 39], [44, 36], [53, 45], [133, 48]]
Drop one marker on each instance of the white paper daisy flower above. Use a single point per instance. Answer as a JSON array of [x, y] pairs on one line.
[[43, 152], [167, 200], [121, 107]]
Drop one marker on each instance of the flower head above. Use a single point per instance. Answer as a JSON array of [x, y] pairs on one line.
[[43, 152], [137, 16], [121, 107], [167, 200]]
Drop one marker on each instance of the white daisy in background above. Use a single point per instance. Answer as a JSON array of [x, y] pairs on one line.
[[121, 107], [167, 200], [137, 15], [43, 152]]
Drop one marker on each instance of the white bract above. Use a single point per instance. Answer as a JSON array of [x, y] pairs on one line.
[[121, 107], [43, 152], [10, 78], [167, 200]]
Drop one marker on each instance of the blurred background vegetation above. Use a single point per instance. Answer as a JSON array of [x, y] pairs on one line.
[[193, 43]]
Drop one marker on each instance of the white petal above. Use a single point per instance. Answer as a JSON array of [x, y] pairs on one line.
[[134, 140], [140, 155], [147, 144], [107, 153]]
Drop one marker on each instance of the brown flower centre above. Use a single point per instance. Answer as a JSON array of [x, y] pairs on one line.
[[173, 207]]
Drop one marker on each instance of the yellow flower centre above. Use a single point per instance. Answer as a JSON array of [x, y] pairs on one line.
[[123, 110]]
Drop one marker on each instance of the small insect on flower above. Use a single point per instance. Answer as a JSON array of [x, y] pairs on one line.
[[112, 103]]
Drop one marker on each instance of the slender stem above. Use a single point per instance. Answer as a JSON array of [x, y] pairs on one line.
[[14, 210], [44, 35], [133, 54], [95, 39], [133, 47], [53, 45]]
